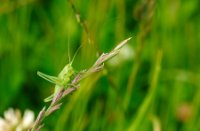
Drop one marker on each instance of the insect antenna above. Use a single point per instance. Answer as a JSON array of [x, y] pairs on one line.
[[75, 54], [69, 58]]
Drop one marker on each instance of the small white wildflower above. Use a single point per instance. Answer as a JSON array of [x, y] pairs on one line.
[[14, 121], [3, 125], [12, 117], [27, 119]]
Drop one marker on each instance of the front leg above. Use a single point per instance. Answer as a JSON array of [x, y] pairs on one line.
[[72, 86], [52, 79]]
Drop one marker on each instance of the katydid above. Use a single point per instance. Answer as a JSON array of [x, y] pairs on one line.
[[62, 80], [64, 77]]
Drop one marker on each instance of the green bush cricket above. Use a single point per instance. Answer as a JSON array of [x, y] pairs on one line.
[[64, 77], [62, 80]]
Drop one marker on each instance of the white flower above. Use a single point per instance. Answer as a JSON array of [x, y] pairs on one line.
[[13, 120], [3, 125]]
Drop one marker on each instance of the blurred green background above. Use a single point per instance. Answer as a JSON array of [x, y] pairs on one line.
[[152, 85]]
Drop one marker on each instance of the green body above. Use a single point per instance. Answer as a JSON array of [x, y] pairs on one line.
[[61, 81]]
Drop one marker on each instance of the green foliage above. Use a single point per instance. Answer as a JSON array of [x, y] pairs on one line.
[[131, 93]]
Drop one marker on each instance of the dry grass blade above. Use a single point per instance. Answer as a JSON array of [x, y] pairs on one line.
[[99, 64], [53, 108], [39, 119], [106, 56]]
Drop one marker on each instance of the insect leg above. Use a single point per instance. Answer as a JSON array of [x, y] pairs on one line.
[[72, 85], [52, 79], [50, 98]]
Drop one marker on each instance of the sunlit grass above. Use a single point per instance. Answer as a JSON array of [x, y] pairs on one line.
[[129, 93]]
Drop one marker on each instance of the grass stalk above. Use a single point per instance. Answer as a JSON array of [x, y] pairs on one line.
[[142, 111]]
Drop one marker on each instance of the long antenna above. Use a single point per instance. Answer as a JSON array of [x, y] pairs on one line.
[[68, 40], [75, 54]]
